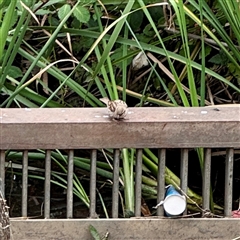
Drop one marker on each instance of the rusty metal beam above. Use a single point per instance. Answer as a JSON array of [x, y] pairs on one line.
[[138, 183], [70, 184], [93, 179], [115, 189], [91, 128], [151, 228], [228, 195], [206, 186], [161, 180], [47, 184], [184, 172], [24, 183], [2, 173]]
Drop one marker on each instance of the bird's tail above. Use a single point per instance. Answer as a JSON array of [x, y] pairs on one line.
[[104, 100]]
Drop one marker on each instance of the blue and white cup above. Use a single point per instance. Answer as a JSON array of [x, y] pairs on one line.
[[174, 203]]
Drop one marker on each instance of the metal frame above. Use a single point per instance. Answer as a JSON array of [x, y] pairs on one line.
[[83, 128]]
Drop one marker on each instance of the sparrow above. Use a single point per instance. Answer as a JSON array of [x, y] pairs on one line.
[[118, 108]]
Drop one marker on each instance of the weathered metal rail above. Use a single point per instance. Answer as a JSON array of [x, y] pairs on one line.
[[91, 128]]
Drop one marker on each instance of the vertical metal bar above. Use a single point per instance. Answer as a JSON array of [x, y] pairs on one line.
[[138, 183], [47, 184], [2, 172], [115, 189], [70, 184], [93, 183], [24, 183], [206, 179], [184, 172], [228, 182], [161, 179]]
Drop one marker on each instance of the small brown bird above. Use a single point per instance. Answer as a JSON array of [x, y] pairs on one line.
[[118, 108]]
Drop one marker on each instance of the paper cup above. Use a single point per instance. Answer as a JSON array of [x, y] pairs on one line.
[[174, 203]]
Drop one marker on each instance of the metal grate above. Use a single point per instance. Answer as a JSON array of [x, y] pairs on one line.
[[66, 129], [138, 181]]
